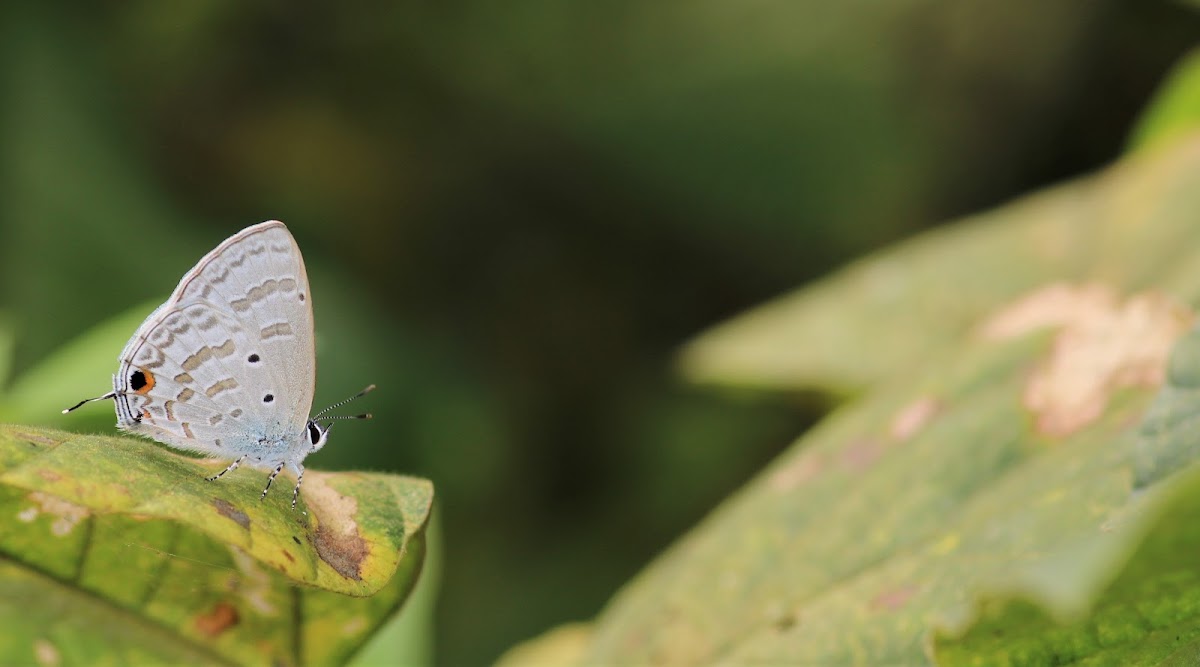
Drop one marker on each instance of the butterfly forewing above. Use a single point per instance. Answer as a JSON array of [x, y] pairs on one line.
[[227, 364]]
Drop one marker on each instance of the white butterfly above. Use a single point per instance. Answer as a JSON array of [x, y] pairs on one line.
[[226, 367]]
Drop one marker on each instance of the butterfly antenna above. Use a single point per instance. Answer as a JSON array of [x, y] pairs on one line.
[[339, 404], [111, 394], [335, 418]]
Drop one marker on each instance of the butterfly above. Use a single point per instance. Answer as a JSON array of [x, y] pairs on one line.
[[226, 367]]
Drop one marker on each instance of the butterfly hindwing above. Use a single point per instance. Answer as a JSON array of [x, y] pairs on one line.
[[226, 366], [177, 386]]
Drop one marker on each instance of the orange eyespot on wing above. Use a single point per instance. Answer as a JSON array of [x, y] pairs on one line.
[[141, 381]]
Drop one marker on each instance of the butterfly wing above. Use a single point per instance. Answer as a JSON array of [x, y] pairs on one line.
[[227, 365]]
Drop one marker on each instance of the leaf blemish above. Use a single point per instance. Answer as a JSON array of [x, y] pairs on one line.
[[227, 510], [344, 553], [912, 418], [222, 617], [69, 514], [255, 584], [337, 539], [784, 623], [796, 473], [894, 599], [861, 454], [354, 626], [1102, 345], [46, 654], [780, 617], [49, 475], [35, 438]]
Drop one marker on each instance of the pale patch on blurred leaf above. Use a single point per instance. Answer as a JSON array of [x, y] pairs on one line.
[[1121, 344]]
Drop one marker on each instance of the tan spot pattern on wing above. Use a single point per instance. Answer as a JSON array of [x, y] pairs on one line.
[[256, 294], [277, 329], [224, 385], [207, 353]]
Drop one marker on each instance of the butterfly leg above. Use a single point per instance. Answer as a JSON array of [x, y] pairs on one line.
[[296, 491], [270, 480], [232, 466]]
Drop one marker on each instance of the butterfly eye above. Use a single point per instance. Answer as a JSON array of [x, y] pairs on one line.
[[314, 433], [141, 381]]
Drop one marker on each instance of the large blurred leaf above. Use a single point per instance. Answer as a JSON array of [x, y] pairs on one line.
[[995, 450], [116, 550], [563, 645], [407, 639], [1148, 615], [1150, 612]]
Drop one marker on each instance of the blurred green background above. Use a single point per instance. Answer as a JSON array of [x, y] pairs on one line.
[[514, 213]]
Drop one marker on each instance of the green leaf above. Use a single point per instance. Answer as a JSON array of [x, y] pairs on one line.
[[563, 645], [1147, 610], [995, 451], [1148, 615], [407, 639], [1175, 110], [120, 552]]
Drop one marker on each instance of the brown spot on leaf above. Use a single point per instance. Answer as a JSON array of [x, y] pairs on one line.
[[289, 556], [227, 510], [785, 622], [1102, 345], [344, 553], [780, 616], [893, 599], [796, 473], [48, 475], [222, 617], [859, 455], [913, 417], [35, 438], [337, 539]]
